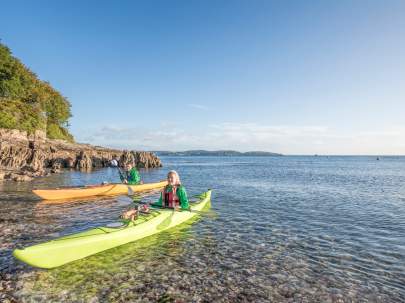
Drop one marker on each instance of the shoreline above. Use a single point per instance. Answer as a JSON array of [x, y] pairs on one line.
[[24, 157]]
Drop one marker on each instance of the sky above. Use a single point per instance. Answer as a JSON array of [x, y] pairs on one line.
[[294, 77]]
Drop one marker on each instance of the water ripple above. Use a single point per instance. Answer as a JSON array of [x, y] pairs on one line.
[[288, 229]]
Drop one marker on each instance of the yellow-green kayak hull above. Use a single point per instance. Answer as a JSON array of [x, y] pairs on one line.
[[77, 246]]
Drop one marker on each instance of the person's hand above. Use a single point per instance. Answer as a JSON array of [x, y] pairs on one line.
[[125, 182]]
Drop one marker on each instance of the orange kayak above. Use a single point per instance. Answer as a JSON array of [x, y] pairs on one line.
[[95, 190]]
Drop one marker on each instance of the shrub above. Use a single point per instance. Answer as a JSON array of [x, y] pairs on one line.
[[27, 103]]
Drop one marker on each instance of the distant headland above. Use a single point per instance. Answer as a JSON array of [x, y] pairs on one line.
[[217, 153]]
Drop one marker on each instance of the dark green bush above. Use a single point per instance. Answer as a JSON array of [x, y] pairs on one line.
[[29, 104]]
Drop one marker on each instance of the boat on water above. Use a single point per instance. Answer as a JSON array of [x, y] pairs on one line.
[[77, 246], [95, 190]]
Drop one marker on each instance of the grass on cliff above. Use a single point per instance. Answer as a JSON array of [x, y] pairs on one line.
[[28, 103]]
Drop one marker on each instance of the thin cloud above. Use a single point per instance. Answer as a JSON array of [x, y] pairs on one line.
[[252, 136]]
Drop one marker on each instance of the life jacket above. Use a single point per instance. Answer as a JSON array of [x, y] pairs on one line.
[[170, 199]]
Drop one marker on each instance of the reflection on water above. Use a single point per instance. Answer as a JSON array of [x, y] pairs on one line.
[[88, 277], [289, 229]]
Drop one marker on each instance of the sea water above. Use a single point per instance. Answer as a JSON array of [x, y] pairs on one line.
[[280, 229]]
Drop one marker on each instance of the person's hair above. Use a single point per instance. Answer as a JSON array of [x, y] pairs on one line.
[[173, 172]]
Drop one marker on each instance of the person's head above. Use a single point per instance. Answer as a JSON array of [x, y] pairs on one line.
[[128, 166], [173, 178]]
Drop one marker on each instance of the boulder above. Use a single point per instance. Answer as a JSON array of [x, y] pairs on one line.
[[19, 177]]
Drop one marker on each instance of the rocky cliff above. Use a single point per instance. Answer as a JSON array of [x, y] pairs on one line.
[[23, 157]]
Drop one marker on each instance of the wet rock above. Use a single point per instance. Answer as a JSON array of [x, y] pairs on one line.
[[127, 158], [84, 161], [279, 277], [287, 290], [19, 284], [20, 177], [57, 165], [23, 157], [69, 162], [140, 267]]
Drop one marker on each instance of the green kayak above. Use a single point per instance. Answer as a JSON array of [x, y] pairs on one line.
[[77, 246]]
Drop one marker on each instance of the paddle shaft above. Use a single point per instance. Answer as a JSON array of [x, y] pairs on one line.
[[130, 190]]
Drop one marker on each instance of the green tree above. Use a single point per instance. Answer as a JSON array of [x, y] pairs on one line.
[[28, 103]]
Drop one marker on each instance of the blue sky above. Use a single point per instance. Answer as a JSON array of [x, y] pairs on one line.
[[296, 77]]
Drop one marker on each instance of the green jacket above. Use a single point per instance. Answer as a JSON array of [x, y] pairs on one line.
[[181, 193], [132, 176]]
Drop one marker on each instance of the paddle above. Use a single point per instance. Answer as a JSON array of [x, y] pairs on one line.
[[130, 191], [194, 198], [122, 178]]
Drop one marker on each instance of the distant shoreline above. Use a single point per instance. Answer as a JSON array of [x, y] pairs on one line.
[[218, 153], [254, 154]]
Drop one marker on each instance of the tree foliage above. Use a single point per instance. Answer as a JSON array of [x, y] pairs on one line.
[[29, 104]]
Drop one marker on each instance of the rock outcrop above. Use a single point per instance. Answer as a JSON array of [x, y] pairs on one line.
[[23, 157]]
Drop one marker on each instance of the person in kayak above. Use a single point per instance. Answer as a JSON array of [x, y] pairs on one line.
[[174, 194], [130, 176]]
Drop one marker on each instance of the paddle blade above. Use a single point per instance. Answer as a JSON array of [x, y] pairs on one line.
[[130, 191]]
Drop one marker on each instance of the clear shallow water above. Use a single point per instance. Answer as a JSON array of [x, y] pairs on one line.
[[288, 229]]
